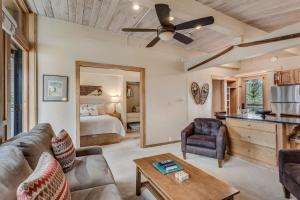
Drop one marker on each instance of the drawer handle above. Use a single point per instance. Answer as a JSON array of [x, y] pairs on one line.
[[249, 125], [248, 150]]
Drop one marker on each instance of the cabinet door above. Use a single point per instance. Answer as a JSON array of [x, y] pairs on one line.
[[287, 77], [297, 75]]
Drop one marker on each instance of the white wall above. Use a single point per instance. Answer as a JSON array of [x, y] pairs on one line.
[[201, 77], [60, 44], [264, 63], [112, 85], [216, 93]]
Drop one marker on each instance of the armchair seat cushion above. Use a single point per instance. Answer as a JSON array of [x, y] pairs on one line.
[[293, 171], [206, 141]]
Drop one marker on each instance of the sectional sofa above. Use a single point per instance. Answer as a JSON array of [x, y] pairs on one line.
[[89, 179]]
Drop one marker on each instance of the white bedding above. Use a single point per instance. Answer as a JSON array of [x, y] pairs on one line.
[[100, 124]]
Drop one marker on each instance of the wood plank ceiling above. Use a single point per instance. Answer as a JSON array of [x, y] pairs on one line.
[[267, 15], [113, 15]]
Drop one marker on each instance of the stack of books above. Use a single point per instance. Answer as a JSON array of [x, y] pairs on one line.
[[167, 166]]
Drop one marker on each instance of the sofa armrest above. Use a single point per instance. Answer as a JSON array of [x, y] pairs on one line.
[[86, 151], [221, 142], [188, 131], [287, 156]]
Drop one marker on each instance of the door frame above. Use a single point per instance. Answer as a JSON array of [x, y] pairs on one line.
[[141, 70]]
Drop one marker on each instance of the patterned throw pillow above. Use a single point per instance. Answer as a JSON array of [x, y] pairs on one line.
[[64, 150], [47, 181]]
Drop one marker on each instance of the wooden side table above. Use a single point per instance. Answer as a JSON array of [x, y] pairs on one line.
[[116, 114]]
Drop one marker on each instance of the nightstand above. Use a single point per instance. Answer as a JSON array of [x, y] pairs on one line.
[[116, 114]]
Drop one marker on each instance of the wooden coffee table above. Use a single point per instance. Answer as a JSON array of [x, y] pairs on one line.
[[200, 186]]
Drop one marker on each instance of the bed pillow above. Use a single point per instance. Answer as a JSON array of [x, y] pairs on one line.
[[47, 181], [64, 150], [101, 109], [88, 110], [84, 110]]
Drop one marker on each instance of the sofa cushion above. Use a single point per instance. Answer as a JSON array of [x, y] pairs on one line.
[[47, 181], [14, 169], [89, 171], [105, 192], [206, 141], [293, 171], [63, 150], [206, 126], [33, 144]]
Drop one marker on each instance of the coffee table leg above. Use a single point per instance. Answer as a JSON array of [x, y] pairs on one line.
[[138, 182]]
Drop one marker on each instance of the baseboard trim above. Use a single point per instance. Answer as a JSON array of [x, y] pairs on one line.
[[162, 143]]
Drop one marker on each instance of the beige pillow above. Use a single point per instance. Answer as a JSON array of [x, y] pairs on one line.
[[101, 109]]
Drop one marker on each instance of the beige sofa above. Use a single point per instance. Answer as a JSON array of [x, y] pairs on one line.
[[90, 178]]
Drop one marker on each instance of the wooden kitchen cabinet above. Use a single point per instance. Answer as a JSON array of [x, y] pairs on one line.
[[287, 77], [255, 141], [297, 75]]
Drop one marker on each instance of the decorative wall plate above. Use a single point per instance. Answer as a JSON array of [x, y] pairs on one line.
[[195, 90], [199, 96], [204, 93]]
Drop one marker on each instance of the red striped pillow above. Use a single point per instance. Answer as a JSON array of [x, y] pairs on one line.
[[64, 150], [47, 181]]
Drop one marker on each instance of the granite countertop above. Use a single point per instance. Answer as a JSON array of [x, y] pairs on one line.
[[268, 118]]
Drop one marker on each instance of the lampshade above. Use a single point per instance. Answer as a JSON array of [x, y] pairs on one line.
[[115, 99]]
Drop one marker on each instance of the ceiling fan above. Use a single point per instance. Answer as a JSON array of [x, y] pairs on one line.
[[167, 30]]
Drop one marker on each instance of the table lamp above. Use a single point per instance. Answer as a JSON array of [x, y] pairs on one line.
[[115, 100]]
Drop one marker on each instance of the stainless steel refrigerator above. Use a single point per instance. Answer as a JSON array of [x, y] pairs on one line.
[[285, 99]]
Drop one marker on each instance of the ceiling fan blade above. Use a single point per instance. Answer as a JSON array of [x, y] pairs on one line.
[[194, 23], [163, 14], [139, 30], [153, 42], [182, 38]]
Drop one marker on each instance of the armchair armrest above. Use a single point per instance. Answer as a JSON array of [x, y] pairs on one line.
[[91, 150], [221, 142], [287, 156], [188, 131]]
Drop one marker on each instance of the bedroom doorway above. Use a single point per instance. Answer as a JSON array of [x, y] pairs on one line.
[[110, 103]]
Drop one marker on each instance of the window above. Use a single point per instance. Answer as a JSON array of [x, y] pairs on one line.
[[15, 83], [254, 95]]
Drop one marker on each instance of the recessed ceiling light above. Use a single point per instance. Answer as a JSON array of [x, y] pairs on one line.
[[136, 6], [171, 18], [274, 59], [198, 27]]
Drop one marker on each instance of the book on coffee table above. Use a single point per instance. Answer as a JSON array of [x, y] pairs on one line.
[[167, 166]]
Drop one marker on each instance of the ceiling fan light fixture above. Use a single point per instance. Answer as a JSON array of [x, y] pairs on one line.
[[171, 18], [135, 6], [167, 35]]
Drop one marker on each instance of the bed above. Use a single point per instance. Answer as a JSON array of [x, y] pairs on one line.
[[100, 130]]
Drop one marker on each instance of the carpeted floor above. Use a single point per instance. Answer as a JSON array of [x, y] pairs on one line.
[[255, 182]]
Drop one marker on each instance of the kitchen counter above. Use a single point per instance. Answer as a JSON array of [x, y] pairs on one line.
[[268, 118]]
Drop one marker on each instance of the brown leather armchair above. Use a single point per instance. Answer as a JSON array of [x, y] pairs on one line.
[[289, 171], [206, 137]]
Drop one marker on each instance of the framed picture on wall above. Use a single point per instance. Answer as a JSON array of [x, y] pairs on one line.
[[55, 88]]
